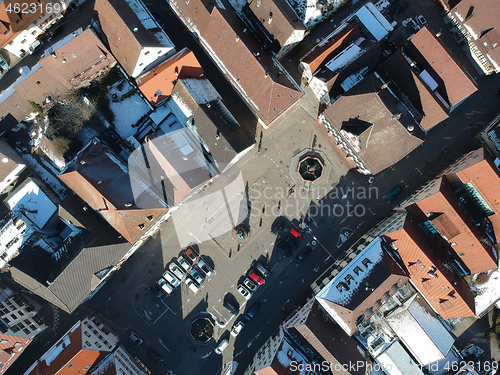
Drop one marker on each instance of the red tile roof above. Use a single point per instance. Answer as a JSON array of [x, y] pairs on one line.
[[339, 42], [278, 18], [485, 23], [448, 294], [398, 71], [455, 84], [11, 350], [8, 19], [452, 221], [99, 180], [158, 84], [72, 360], [478, 168], [83, 54], [249, 68]]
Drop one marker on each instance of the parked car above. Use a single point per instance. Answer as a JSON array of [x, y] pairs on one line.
[[192, 285], [156, 356], [292, 243], [202, 265], [421, 21], [54, 32], [250, 285], [278, 228], [166, 287], [262, 269], [296, 234], [182, 262], [303, 254], [285, 249], [244, 291], [222, 345], [253, 310], [3, 64], [191, 255], [237, 328], [259, 280], [197, 277], [136, 339], [155, 289], [231, 308], [392, 194], [171, 278], [176, 270], [34, 47]]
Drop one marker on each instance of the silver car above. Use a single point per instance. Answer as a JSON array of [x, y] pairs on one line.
[[202, 265], [197, 276], [176, 270], [171, 278], [182, 262]]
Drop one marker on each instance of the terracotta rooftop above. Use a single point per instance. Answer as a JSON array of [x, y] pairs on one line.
[[83, 54], [11, 347], [157, 85], [327, 339], [278, 18], [267, 90], [483, 19], [329, 48], [12, 23], [376, 122], [478, 169], [125, 33], [102, 180], [405, 80], [444, 211], [448, 294], [454, 83]]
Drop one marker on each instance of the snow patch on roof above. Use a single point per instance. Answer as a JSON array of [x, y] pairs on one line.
[[488, 293], [396, 361], [365, 261], [141, 13], [287, 354], [201, 90], [160, 114], [52, 355], [31, 201], [182, 105]]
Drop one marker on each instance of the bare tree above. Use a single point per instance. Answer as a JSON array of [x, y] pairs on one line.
[[69, 114]]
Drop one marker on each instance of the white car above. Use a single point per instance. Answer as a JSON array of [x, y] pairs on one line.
[[192, 285], [205, 268], [222, 345], [197, 276], [171, 278], [237, 329], [176, 270], [182, 262], [244, 292], [250, 285], [166, 287]]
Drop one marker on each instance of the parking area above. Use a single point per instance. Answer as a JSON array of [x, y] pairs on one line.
[[273, 197]]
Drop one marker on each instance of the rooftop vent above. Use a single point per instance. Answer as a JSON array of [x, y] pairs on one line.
[[136, 29], [141, 226]]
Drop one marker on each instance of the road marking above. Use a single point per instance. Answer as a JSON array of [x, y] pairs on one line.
[[168, 307], [162, 344], [373, 213]]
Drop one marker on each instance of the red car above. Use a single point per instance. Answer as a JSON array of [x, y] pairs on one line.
[[191, 255], [259, 280], [295, 232]]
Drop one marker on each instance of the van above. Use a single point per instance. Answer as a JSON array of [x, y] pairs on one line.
[[34, 47], [263, 270]]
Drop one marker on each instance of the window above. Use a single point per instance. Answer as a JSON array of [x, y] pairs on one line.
[[14, 316], [18, 20], [6, 31], [27, 331], [33, 32], [23, 41], [146, 53], [70, 365]]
